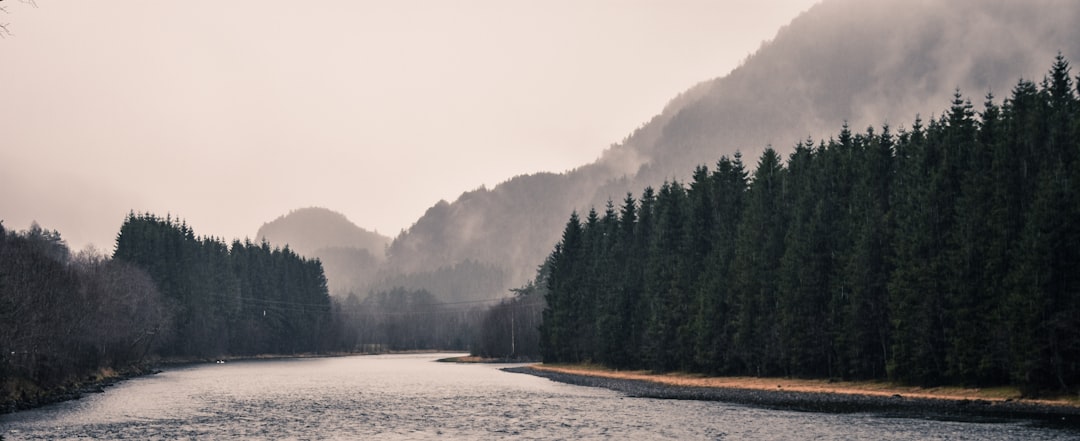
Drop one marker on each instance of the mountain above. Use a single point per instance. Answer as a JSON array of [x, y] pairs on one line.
[[350, 255], [866, 63]]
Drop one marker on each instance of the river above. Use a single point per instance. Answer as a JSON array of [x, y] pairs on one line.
[[413, 397]]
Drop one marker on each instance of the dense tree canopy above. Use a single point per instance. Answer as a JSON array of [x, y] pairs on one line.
[[241, 299], [943, 253]]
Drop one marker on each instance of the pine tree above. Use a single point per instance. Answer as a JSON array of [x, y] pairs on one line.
[[865, 331], [806, 268], [759, 248], [912, 289], [667, 283], [558, 342], [714, 316]]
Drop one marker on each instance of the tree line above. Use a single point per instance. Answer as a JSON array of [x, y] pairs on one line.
[[401, 319], [508, 330], [164, 293], [64, 316], [242, 299], [946, 253]]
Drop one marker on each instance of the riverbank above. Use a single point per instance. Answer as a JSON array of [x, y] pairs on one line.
[[18, 394], [21, 394], [819, 396]]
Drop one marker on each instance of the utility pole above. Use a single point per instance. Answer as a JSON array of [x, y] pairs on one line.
[[513, 341]]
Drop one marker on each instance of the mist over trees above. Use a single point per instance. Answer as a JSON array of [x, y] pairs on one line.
[[509, 330], [460, 282], [438, 309], [932, 254], [843, 60], [400, 319], [945, 253]]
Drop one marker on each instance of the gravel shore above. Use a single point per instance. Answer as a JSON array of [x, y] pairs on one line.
[[896, 405]]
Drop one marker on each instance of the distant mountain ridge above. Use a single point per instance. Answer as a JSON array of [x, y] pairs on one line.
[[307, 230], [867, 63], [350, 255]]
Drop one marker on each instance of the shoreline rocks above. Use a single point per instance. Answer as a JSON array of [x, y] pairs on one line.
[[893, 406]]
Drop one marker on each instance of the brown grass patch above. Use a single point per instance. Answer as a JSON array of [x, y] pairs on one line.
[[873, 388]]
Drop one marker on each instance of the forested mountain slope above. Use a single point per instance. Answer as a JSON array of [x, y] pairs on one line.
[[945, 253], [867, 63]]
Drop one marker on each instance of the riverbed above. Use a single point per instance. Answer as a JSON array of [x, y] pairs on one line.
[[410, 396]]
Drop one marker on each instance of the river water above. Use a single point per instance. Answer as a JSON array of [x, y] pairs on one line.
[[413, 397]]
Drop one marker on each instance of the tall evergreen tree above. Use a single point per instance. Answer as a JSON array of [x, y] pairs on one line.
[[561, 319], [865, 331], [760, 245]]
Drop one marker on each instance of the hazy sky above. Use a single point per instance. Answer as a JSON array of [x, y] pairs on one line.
[[231, 113]]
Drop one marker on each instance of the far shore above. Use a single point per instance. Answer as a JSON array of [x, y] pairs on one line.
[[467, 359], [162, 362], [822, 395]]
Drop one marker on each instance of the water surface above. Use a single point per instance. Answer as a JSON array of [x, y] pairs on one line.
[[413, 397]]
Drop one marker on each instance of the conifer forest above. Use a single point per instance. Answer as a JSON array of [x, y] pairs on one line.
[[946, 252]]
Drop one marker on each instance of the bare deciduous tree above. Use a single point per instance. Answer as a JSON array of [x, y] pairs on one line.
[[5, 30]]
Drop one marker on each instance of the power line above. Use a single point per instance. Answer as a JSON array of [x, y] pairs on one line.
[[361, 310]]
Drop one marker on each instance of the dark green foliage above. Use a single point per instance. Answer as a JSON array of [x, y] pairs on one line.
[[863, 336], [667, 282], [562, 319], [945, 254], [807, 271], [245, 299], [756, 344], [165, 292], [714, 314]]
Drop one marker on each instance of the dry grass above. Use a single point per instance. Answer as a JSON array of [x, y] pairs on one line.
[[104, 373], [874, 388]]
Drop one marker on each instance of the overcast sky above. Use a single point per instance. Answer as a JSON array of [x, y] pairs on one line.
[[231, 113]]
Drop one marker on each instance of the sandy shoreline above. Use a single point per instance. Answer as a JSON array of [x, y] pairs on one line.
[[816, 396]]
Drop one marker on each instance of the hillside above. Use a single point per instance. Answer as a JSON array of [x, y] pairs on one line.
[[350, 255], [309, 229], [867, 63]]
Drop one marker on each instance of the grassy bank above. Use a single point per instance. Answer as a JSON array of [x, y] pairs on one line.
[[866, 388], [18, 393], [880, 398]]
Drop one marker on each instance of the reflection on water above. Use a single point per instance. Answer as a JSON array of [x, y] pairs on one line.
[[411, 397]]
